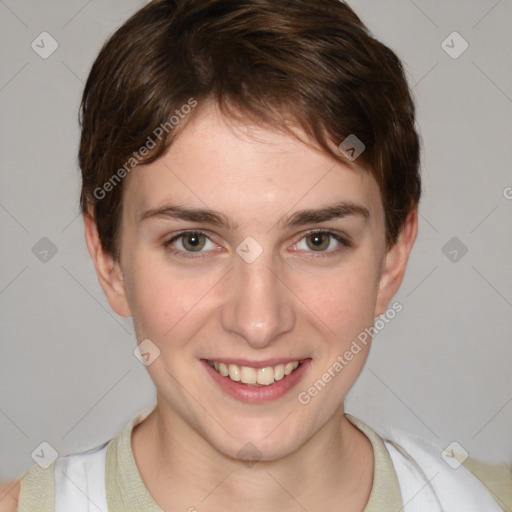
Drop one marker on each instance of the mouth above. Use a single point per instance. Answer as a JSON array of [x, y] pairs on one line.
[[264, 376], [256, 382]]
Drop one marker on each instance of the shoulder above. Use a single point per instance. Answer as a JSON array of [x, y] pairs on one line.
[[32, 490], [35, 489], [9, 492], [497, 478], [453, 476], [39, 487]]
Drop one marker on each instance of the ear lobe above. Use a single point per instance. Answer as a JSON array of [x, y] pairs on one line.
[[108, 271], [395, 263]]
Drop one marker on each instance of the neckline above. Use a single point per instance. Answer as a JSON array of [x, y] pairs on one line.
[[126, 490]]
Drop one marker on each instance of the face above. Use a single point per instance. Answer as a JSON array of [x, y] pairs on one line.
[[245, 249]]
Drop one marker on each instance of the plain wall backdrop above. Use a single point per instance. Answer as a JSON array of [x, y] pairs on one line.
[[441, 368]]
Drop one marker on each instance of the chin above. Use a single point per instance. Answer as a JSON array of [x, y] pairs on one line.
[[265, 440]]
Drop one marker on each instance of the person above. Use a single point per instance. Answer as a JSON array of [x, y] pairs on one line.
[[250, 193]]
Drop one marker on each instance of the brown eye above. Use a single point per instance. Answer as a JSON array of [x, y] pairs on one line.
[[318, 241], [323, 243], [188, 242], [193, 242]]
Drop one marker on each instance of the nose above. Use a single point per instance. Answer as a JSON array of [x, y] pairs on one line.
[[259, 308]]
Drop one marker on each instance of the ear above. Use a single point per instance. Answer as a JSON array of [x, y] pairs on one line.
[[395, 263], [108, 271]]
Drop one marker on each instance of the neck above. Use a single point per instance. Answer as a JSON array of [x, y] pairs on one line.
[[181, 470]]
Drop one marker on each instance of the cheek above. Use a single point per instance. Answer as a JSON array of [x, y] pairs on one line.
[[165, 302], [344, 297], [343, 306]]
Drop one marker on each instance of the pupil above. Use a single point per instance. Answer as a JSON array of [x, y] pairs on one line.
[[318, 240], [193, 241]]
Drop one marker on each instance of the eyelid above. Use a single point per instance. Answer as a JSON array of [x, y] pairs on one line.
[[334, 233]]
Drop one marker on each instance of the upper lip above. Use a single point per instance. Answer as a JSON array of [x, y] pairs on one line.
[[256, 364]]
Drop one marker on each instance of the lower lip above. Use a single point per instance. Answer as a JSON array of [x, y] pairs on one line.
[[257, 394]]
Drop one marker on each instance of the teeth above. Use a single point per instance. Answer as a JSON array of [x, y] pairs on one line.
[[288, 368], [265, 376], [234, 372], [223, 369], [279, 372], [247, 375]]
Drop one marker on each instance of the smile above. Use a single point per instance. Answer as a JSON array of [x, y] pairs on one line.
[[257, 382], [255, 376]]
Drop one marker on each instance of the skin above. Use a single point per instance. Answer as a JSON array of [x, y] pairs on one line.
[[292, 300], [9, 492]]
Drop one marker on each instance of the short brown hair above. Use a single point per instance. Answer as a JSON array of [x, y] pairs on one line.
[[310, 63]]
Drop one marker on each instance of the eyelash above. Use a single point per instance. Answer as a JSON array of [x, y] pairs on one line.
[[345, 244]]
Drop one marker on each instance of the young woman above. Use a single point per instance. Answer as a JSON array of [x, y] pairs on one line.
[[250, 193]]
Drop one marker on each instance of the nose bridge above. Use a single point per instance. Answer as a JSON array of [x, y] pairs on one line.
[[259, 308]]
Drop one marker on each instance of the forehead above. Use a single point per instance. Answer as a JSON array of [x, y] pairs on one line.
[[239, 168]]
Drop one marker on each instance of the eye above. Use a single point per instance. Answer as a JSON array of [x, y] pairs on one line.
[[188, 242], [322, 241]]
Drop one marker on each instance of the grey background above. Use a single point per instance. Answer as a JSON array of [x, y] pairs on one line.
[[441, 368]]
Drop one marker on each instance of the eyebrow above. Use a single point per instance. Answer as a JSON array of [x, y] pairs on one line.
[[300, 218]]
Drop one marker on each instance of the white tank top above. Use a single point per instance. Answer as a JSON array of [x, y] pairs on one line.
[[80, 481]]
